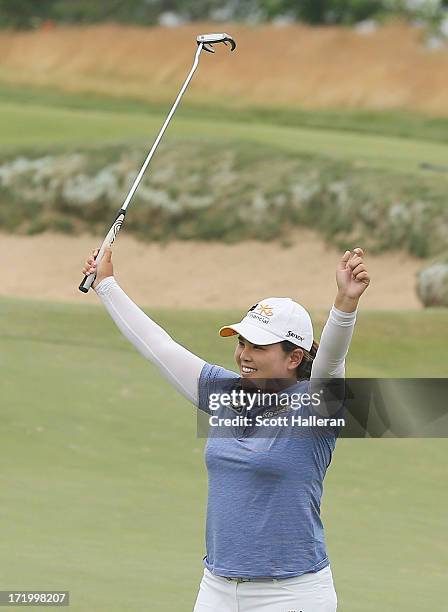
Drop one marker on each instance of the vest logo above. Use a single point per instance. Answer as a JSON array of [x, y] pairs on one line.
[[291, 334]]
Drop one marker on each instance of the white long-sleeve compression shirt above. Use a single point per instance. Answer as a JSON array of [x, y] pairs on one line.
[[182, 368]]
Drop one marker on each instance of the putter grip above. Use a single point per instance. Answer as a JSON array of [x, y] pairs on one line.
[[86, 283], [108, 242]]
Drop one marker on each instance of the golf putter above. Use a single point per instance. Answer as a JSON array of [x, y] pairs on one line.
[[204, 41]]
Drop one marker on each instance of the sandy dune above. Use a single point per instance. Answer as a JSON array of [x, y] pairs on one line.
[[201, 275], [294, 65]]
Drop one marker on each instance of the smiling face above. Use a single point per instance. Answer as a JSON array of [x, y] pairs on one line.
[[268, 361]]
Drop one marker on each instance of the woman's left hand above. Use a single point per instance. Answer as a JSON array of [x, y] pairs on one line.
[[352, 276]]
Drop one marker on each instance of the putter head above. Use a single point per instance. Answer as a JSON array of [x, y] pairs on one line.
[[207, 40]]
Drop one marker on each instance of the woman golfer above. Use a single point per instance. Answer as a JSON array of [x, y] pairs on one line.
[[264, 538]]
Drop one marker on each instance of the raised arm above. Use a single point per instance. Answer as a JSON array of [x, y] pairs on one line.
[[352, 280], [178, 365]]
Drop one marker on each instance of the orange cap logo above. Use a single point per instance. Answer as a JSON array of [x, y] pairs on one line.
[[264, 309]]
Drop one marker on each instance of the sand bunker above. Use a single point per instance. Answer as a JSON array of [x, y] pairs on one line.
[[202, 275]]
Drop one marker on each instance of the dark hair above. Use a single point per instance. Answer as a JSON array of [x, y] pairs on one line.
[[303, 371]]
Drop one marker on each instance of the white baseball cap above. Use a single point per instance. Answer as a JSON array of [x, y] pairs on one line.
[[274, 320]]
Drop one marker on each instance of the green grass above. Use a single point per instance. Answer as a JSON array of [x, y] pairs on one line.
[[103, 483], [391, 123], [371, 178], [44, 120], [196, 190]]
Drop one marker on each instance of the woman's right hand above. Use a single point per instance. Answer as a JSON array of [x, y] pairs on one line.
[[105, 267]]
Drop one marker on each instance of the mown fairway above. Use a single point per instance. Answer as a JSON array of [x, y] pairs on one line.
[[39, 124], [103, 483]]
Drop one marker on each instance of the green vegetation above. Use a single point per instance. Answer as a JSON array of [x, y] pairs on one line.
[[28, 13], [197, 192], [31, 128], [104, 487], [413, 126], [226, 177]]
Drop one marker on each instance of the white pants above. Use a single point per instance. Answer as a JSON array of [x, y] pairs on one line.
[[312, 592]]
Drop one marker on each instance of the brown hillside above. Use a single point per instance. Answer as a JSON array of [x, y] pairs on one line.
[[293, 65]]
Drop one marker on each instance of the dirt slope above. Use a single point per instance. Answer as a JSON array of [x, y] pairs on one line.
[[273, 66]]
